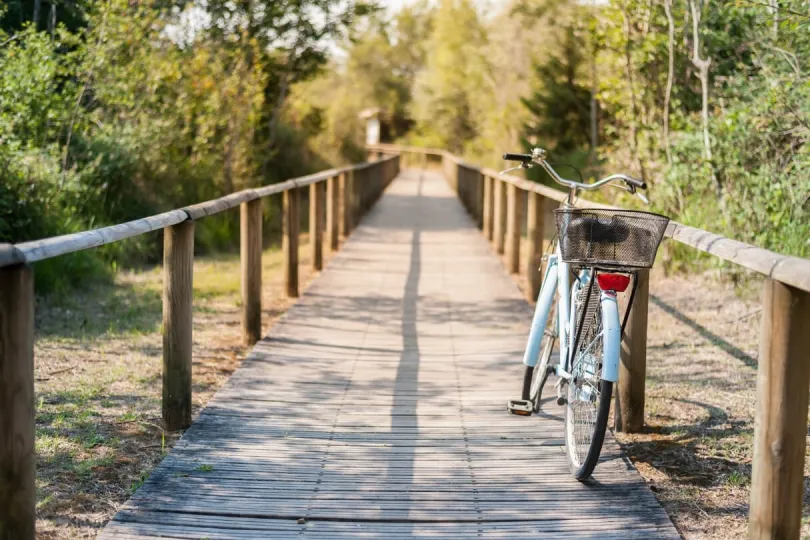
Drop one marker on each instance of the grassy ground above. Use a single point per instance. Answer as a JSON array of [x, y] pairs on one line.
[[98, 383]]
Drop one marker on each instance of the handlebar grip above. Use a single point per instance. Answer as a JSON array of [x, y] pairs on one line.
[[636, 182], [525, 158]]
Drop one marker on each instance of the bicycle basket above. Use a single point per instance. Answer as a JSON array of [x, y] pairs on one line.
[[595, 237]]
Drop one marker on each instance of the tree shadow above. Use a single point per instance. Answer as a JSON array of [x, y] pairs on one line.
[[713, 338]]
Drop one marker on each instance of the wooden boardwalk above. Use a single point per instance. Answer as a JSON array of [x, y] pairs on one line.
[[376, 409]]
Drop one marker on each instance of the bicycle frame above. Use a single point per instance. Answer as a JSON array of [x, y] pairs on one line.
[[557, 287]]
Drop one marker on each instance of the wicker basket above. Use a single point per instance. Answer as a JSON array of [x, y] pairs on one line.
[[615, 238]]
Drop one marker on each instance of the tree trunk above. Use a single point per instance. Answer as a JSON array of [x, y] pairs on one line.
[[702, 65], [37, 9], [628, 48], [670, 76]]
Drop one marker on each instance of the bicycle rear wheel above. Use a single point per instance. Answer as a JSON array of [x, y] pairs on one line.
[[588, 407]]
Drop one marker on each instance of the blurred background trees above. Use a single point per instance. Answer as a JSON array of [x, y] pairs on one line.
[[707, 101], [114, 109]]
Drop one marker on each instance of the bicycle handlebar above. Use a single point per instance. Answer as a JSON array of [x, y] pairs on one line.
[[538, 157], [525, 158]]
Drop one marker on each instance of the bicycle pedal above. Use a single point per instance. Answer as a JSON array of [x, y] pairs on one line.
[[520, 407]]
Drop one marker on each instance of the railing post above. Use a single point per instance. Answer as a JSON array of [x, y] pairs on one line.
[[629, 410], [251, 256], [289, 240], [780, 420], [316, 225], [332, 213], [17, 420], [488, 207], [534, 247], [346, 194], [514, 222], [178, 268], [479, 199], [499, 230]]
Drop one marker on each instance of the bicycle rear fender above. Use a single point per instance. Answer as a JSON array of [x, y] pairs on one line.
[[541, 310], [611, 337]]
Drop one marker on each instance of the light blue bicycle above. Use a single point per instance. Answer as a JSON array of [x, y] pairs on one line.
[[596, 254]]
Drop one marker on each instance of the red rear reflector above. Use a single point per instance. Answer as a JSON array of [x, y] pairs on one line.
[[613, 282]]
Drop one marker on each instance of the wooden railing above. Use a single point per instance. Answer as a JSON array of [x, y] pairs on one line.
[[495, 203], [347, 193]]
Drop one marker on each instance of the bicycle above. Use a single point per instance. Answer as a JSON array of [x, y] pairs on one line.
[[605, 247]]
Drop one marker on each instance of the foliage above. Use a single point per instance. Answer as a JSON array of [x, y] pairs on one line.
[[110, 111], [524, 74]]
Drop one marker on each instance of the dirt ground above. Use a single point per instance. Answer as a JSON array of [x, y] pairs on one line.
[[98, 383], [696, 450], [697, 445]]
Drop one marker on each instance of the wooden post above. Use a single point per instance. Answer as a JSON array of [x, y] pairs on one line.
[[178, 273], [534, 247], [780, 420], [489, 206], [315, 225], [629, 410], [355, 181], [346, 197], [424, 161], [514, 223], [17, 458], [478, 199], [289, 240], [499, 229], [332, 213], [251, 257]]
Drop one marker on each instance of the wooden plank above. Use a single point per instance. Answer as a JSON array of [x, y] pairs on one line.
[[251, 263], [178, 273], [17, 458], [629, 410], [289, 243], [316, 225], [780, 421]]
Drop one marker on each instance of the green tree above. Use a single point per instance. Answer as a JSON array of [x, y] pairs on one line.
[[456, 83], [560, 103]]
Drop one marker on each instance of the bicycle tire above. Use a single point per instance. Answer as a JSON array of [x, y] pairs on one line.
[[588, 405], [582, 471]]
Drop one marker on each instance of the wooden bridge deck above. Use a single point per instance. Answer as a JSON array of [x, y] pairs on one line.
[[375, 409]]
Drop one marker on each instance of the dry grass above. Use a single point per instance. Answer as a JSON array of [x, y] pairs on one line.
[[98, 383]]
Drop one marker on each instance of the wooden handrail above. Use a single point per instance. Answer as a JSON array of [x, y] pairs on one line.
[[793, 271], [38, 250], [783, 373], [17, 417]]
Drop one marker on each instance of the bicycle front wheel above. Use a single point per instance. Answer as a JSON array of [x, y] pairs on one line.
[[588, 407], [541, 371]]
